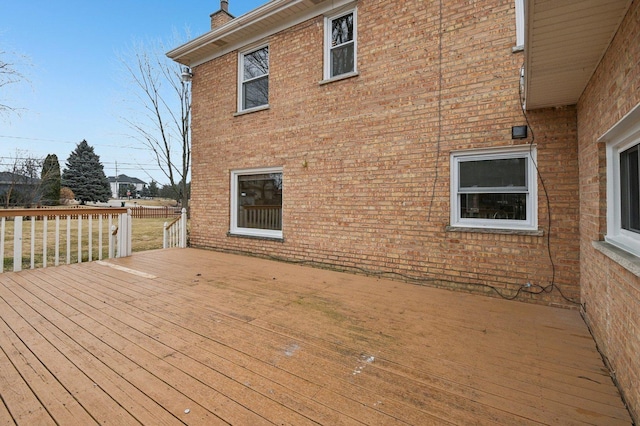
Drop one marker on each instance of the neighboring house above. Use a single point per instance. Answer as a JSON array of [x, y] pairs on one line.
[[23, 190], [388, 137], [125, 181]]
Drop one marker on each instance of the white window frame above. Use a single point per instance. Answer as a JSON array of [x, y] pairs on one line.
[[233, 220], [327, 43], [520, 24], [624, 135], [241, 81], [526, 151]]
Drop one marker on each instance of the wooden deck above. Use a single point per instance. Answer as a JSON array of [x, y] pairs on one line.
[[197, 337]]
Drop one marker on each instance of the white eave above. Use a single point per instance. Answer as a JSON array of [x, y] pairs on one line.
[[267, 19], [565, 41]]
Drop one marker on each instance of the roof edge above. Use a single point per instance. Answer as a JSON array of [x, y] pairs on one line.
[[247, 19]]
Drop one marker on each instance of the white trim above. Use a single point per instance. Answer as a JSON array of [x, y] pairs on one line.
[[623, 135], [526, 151], [233, 220], [241, 81], [335, 14]]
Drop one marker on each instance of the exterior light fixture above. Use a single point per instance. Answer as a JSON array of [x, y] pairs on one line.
[[186, 75], [519, 132]]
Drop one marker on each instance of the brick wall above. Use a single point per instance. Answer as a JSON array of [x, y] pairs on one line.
[[366, 159], [611, 293]]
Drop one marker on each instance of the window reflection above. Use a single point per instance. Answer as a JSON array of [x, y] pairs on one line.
[[260, 201]]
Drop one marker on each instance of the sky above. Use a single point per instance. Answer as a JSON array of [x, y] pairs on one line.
[[75, 86]]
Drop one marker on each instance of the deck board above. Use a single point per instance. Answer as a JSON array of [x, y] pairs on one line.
[[241, 340]]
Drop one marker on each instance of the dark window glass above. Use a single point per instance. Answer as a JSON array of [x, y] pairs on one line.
[[256, 63], [255, 79], [260, 201], [500, 173], [630, 189], [493, 206], [255, 93], [342, 60], [342, 52]]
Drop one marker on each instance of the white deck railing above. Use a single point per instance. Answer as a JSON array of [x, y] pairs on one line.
[[59, 235], [175, 232]]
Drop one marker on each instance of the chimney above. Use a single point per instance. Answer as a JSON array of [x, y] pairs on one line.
[[222, 16]]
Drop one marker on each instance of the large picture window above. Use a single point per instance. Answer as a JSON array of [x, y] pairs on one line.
[[254, 79], [494, 189], [623, 183], [340, 44], [256, 202]]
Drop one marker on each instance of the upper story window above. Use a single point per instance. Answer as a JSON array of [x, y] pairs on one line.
[[494, 189], [340, 44], [254, 79], [623, 183]]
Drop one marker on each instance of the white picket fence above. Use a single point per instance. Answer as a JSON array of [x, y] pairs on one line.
[[175, 232], [113, 226]]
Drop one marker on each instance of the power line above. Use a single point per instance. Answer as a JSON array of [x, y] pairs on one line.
[[73, 142]]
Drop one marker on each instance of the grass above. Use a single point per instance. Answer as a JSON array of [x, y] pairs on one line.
[[146, 235]]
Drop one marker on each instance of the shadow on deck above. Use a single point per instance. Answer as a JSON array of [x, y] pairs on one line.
[[198, 337]]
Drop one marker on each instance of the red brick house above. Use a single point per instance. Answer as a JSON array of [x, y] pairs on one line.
[[445, 143]]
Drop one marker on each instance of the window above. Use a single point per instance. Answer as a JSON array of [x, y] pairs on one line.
[[494, 189], [520, 24], [623, 183], [256, 202], [254, 79], [340, 44]]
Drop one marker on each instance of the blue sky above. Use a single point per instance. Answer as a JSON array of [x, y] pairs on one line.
[[77, 85]]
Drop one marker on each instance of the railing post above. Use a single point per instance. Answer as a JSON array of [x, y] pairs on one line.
[[90, 250], [165, 236], [124, 234], [17, 244], [68, 239], [33, 242], [57, 247], [120, 235], [79, 238], [45, 231], [113, 239], [129, 228], [183, 228]]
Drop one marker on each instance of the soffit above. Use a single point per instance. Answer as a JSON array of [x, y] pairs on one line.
[[564, 43]]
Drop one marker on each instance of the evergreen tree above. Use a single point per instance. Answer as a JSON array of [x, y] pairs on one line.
[[126, 189], [153, 189], [51, 181], [85, 176]]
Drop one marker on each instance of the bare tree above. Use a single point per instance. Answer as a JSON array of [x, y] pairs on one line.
[[165, 125], [20, 183], [10, 75]]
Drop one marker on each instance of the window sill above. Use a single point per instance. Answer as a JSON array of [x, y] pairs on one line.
[[516, 49], [339, 77], [256, 237], [249, 111], [531, 232], [623, 258]]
